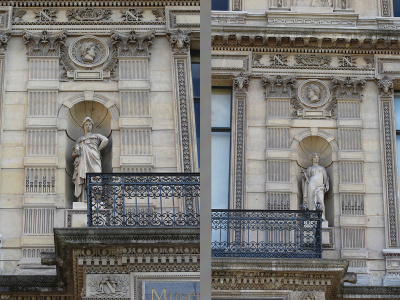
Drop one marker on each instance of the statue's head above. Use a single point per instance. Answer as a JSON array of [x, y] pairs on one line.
[[87, 120], [315, 157], [314, 92]]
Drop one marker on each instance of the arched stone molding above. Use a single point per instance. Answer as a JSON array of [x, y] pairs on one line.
[[89, 96], [314, 132]]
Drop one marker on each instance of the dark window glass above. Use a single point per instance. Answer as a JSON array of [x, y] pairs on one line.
[[195, 57], [220, 5], [396, 8]]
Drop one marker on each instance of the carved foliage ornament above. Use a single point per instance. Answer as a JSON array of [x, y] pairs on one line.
[[45, 43], [133, 44], [313, 60], [89, 14], [347, 88], [180, 40], [241, 83], [159, 14], [385, 86]]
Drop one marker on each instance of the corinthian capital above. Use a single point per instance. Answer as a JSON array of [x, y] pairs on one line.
[[241, 83], [180, 40], [385, 85], [45, 43], [133, 44], [4, 38]]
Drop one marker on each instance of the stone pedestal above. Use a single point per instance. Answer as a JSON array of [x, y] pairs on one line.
[[77, 216], [392, 276]]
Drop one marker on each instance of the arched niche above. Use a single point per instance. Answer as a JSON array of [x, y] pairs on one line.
[[105, 116], [303, 146]]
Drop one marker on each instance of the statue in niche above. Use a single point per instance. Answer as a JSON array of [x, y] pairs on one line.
[[88, 52], [315, 185], [314, 3], [87, 157], [313, 93]]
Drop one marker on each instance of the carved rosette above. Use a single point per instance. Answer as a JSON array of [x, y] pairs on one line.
[[133, 44], [4, 38], [385, 86], [45, 43], [180, 40], [241, 83]]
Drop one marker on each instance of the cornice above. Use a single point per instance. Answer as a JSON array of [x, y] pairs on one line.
[[97, 3]]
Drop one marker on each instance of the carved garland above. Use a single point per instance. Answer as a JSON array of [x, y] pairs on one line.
[[390, 174], [183, 116]]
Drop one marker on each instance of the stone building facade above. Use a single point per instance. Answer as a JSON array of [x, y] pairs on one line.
[[129, 66], [292, 78]]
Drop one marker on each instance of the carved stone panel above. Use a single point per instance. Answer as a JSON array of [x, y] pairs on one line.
[[313, 93], [107, 286]]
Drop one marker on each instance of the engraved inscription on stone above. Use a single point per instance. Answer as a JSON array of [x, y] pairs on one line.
[[313, 93], [88, 51], [314, 3]]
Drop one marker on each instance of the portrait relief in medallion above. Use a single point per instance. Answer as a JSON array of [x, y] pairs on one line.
[[88, 51], [314, 93]]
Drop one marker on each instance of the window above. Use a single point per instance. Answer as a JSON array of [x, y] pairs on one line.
[[397, 125], [221, 4], [195, 58], [221, 101], [396, 8]]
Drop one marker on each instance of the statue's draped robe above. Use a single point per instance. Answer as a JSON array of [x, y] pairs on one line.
[[89, 161]]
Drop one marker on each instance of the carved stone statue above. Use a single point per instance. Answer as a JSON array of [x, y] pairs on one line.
[[87, 157], [313, 93], [315, 185]]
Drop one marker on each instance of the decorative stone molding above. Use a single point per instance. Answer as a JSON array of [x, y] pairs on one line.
[[313, 60], [4, 38], [347, 88], [385, 86], [46, 14], [132, 14], [132, 44], [180, 40], [159, 14], [279, 86], [390, 172], [385, 4], [45, 43], [241, 83], [88, 14]]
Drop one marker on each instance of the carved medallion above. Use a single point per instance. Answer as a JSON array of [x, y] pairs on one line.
[[88, 51], [314, 93]]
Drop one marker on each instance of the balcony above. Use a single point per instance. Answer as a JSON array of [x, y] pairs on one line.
[[266, 233], [143, 200]]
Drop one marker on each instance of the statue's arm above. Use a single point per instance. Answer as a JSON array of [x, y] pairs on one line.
[[103, 143], [326, 181]]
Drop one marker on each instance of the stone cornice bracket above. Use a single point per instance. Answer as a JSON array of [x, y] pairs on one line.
[[44, 43], [180, 41], [241, 83], [4, 38], [132, 44], [347, 88], [385, 86]]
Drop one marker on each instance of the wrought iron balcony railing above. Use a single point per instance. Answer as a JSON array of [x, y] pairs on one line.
[[266, 233], [156, 199]]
